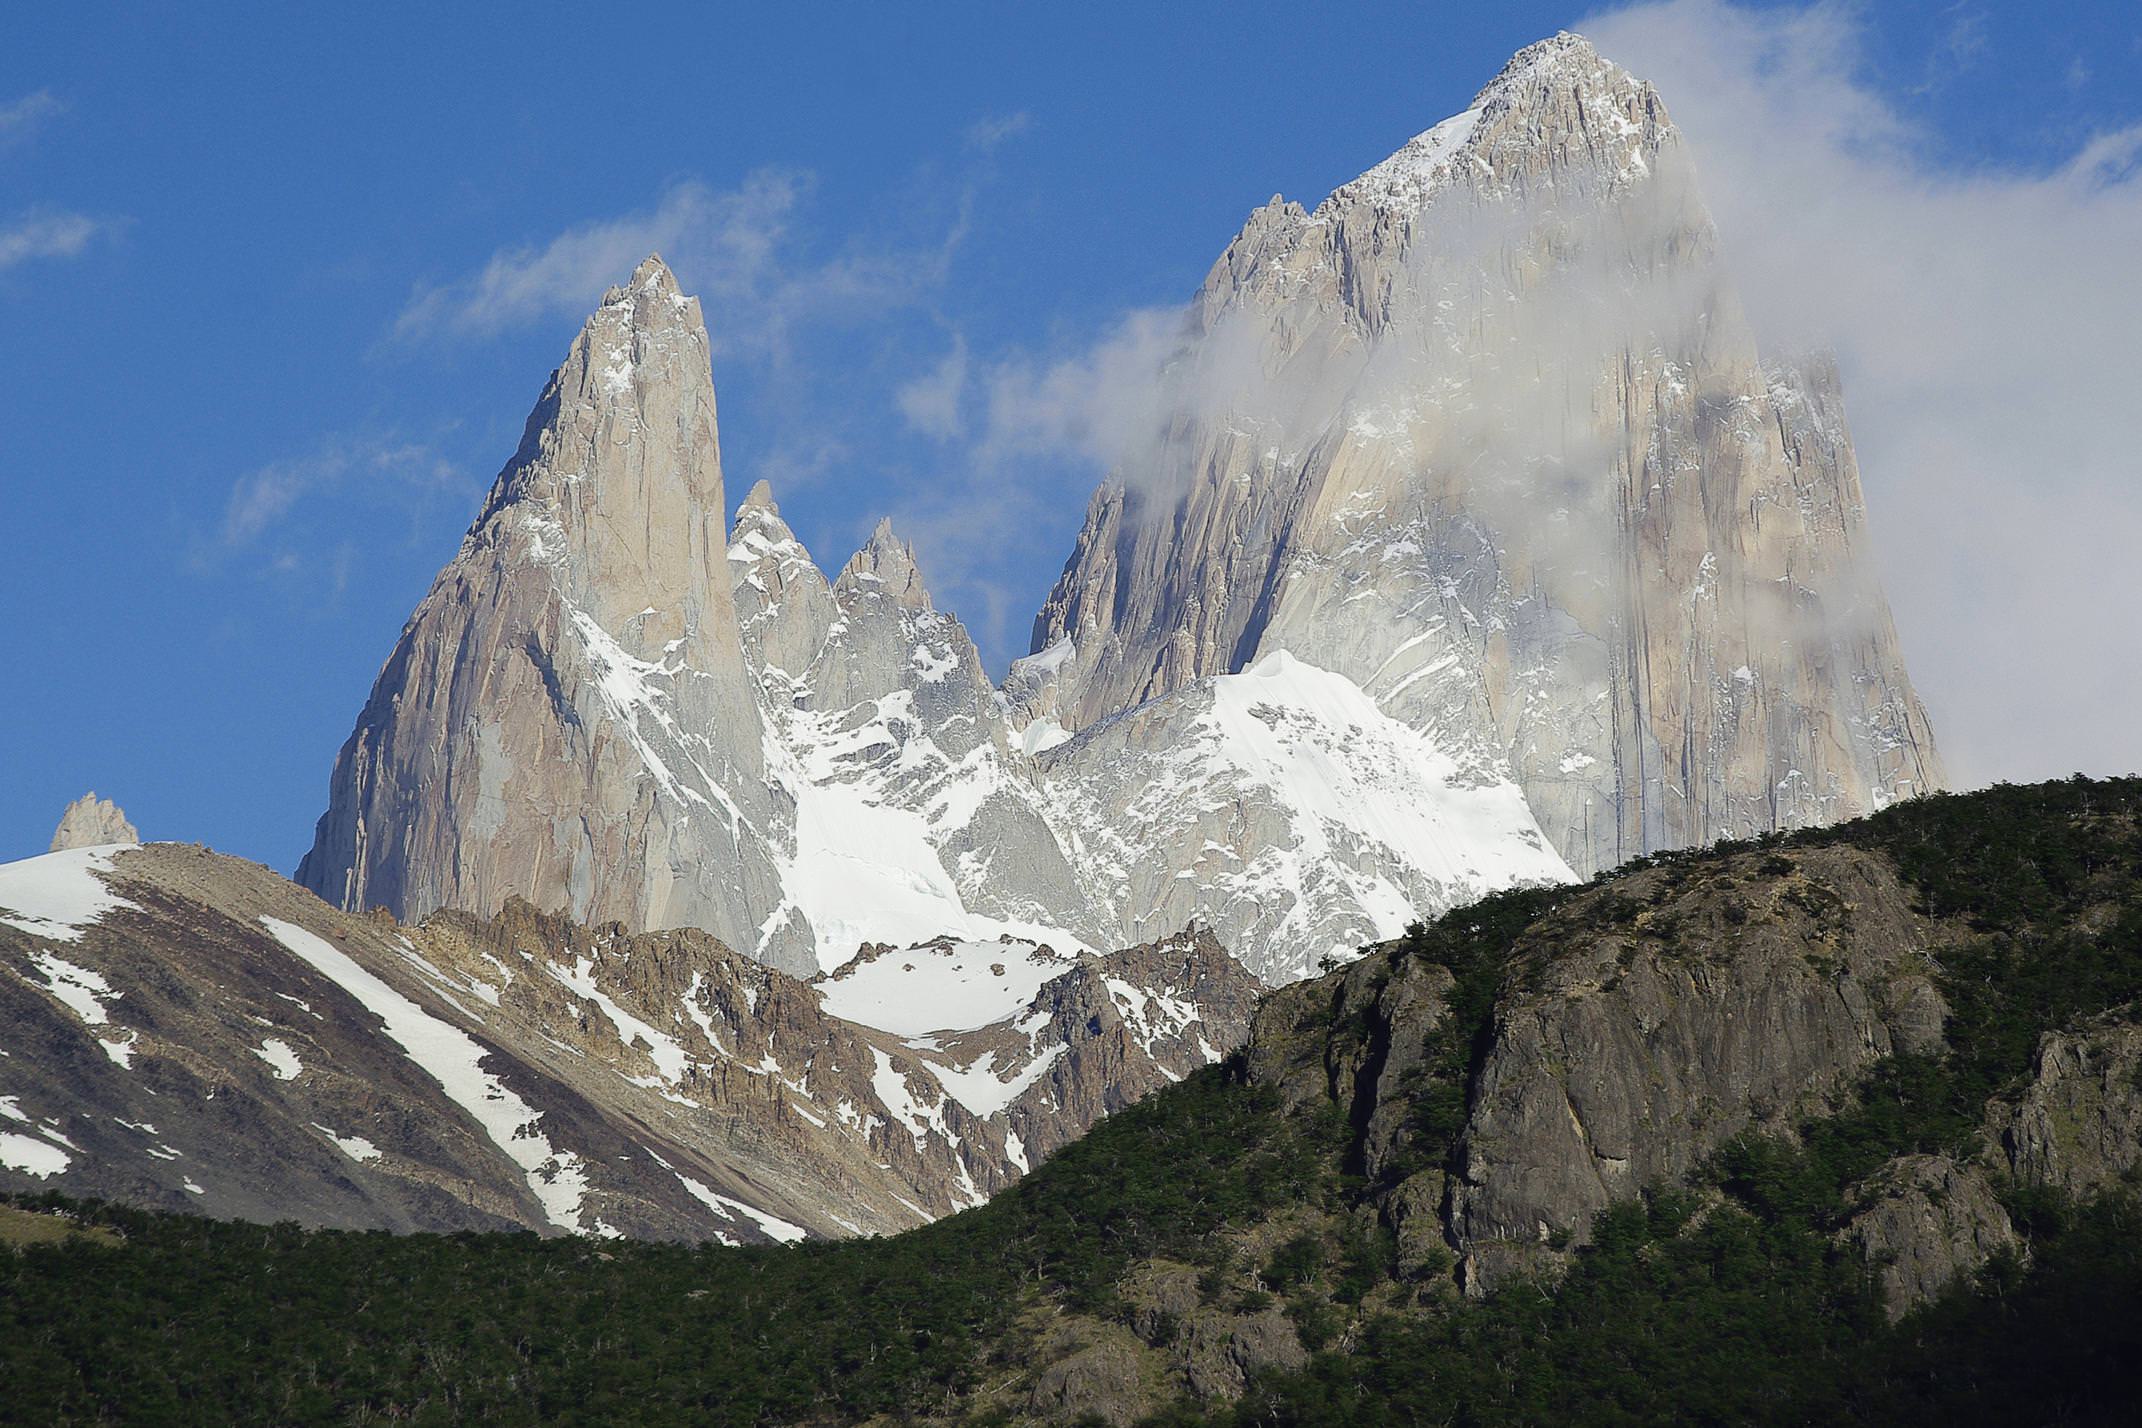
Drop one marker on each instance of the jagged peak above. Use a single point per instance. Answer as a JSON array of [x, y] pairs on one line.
[[1540, 78], [1562, 55], [649, 300], [886, 563], [92, 822], [760, 534], [759, 499]]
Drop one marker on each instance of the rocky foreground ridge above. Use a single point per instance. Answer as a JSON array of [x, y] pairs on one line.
[[189, 1031], [1839, 1127], [1915, 1043]]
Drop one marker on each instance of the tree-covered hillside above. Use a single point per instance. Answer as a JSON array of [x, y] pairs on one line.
[[1234, 1251]]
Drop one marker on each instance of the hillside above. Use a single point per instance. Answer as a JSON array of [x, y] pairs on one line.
[[188, 1031], [1837, 1126]]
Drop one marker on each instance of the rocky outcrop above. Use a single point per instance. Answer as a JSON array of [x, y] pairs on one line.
[[2077, 1127], [1486, 433], [1623, 1055], [192, 1032], [1929, 1221], [92, 822], [1637, 1027]]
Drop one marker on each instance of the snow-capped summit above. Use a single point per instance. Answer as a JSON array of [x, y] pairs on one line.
[[1478, 544], [1509, 459]]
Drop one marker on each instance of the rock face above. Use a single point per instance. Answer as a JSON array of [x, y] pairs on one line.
[[1931, 1222], [1623, 1058], [1638, 1027], [2078, 1127], [568, 716], [1478, 546], [92, 822], [191, 1032], [1486, 434]]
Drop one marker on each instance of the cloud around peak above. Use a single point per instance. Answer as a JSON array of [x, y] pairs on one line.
[[1989, 327]]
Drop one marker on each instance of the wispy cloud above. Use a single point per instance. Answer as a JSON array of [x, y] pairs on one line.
[[734, 247], [1990, 329], [19, 117], [43, 231], [931, 402], [264, 497], [987, 134], [47, 233]]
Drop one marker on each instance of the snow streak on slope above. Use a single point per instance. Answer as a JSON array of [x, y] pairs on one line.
[[57, 895], [946, 985], [455, 1060]]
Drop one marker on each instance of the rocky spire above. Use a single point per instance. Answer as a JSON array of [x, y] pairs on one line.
[[885, 566], [569, 715], [783, 602], [92, 822]]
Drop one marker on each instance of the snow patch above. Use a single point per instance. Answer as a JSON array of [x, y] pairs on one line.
[[773, 1225], [58, 895], [455, 1061], [280, 1058], [31, 1156], [947, 985]]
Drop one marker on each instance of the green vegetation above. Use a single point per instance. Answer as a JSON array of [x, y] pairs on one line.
[[200, 1321], [1725, 1301]]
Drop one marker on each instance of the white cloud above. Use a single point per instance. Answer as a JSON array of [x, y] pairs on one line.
[[262, 498], [20, 116], [1103, 404], [735, 248], [1989, 324], [931, 402], [736, 231], [46, 233], [989, 133]]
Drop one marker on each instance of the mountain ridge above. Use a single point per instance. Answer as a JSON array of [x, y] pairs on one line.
[[1483, 436]]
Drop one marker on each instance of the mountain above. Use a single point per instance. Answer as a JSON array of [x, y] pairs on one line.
[[92, 822], [1836, 1126], [1478, 545], [1486, 434], [567, 716], [189, 1031]]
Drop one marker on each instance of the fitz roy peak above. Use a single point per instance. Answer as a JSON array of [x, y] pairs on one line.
[[1474, 544], [1487, 434]]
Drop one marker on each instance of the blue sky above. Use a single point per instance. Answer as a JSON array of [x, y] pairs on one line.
[[254, 380]]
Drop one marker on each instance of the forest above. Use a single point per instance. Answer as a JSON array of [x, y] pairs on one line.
[[1725, 1299]]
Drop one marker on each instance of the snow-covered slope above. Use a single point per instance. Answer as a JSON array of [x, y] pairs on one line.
[[949, 984], [1288, 811], [190, 1031], [1279, 806]]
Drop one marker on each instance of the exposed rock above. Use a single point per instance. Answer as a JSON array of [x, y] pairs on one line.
[[1929, 1222], [1624, 1053], [2078, 1125], [1101, 1381], [568, 716], [1638, 1026], [92, 822], [192, 1032], [1487, 434], [1217, 1353]]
